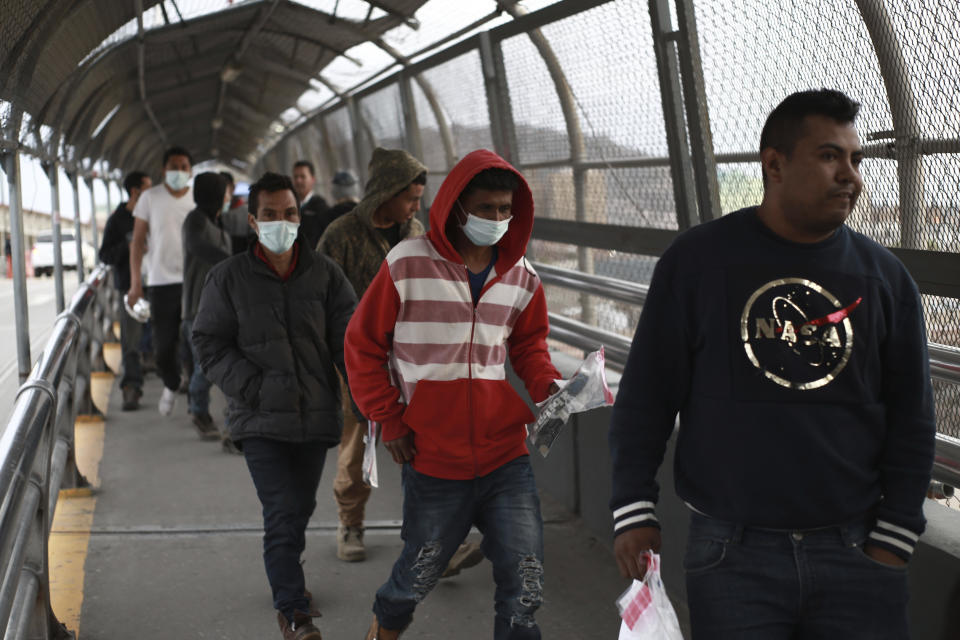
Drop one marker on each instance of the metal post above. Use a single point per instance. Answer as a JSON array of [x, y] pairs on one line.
[[411, 127], [698, 118], [53, 175], [355, 126], [498, 99], [94, 232], [903, 111], [671, 96], [11, 167], [77, 229], [106, 186]]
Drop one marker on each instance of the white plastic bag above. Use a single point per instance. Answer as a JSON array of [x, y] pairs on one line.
[[370, 455], [645, 609], [586, 390]]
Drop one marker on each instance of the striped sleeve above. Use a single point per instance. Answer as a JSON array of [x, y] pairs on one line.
[[633, 515], [894, 539]]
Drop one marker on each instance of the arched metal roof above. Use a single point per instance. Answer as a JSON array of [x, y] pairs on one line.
[[213, 84]]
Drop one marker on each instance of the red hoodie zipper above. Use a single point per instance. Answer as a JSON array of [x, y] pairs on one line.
[[473, 325]]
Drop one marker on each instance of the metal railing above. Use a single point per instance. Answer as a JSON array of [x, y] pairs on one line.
[[36, 459], [944, 360]]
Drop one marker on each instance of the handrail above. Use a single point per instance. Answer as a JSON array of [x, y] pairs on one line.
[[622, 290], [32, 464], [944, 359]]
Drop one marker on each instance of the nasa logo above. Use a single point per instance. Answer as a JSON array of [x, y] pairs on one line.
[[797, 333]]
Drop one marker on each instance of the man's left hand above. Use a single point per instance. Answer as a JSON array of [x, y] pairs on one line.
[[883, 556], [554, 388]]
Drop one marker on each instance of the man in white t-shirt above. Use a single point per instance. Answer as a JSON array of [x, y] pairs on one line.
[[158, 219]]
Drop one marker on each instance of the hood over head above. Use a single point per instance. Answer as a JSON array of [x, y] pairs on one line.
[[390, 171], [513, 244], [208, 190]]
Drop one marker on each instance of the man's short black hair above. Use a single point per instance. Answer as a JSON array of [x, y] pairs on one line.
[[228, 177], [307, 164], [134, 180], [176, 151], [494, 179], [784, 125], [271, 183]]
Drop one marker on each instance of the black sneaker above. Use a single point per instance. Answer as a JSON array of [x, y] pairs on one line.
[[131, 398], [205, 426]]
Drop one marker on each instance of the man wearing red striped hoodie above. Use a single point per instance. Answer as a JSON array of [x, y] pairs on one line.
[[426, 357]]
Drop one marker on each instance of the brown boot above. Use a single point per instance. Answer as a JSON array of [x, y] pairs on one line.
[[376, 632], [302, 627], [467, 555]]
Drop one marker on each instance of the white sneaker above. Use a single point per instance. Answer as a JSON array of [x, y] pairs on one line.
[[168, 399]]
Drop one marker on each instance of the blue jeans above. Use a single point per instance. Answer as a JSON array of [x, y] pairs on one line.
[[286, 475], [438, 514], [199, 388], [758, 584]]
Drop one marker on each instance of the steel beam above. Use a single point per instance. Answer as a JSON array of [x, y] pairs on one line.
[[11, 168], [903, 110], [53, 175]]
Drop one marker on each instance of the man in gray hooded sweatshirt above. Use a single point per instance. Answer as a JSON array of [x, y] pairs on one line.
[[205, 243]]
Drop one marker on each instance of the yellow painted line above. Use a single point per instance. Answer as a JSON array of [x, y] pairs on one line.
[[72, 522]]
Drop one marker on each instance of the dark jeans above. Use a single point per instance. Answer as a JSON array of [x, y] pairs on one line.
[[199, 385], [165, 315], [286, 475], [438, 514], [131, 332], [760, 584]]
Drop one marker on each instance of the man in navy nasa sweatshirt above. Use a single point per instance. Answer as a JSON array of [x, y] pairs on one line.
[[794, 350]]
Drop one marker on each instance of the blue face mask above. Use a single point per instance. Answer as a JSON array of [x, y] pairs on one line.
[[277, 236], [483, 232], [177, 180], [226, 207]]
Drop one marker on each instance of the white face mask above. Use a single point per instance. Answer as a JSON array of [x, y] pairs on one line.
[[226, 207], [277, 236], [177, 180], [483, 232]]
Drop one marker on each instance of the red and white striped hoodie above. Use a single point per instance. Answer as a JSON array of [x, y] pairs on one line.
[[421, 357]]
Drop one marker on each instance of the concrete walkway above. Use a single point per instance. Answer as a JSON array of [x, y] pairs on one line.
[[175, 550]]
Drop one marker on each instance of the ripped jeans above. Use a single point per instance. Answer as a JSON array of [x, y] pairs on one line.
[[438, 514]]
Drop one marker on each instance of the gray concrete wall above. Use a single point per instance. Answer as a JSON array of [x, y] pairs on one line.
[[577, 474]]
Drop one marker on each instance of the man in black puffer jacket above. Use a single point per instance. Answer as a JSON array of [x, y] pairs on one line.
[[269, 332]]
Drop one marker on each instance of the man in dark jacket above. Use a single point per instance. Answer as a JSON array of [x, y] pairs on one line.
[[115, 251], [205, 243], [313, 207], [269, 333]]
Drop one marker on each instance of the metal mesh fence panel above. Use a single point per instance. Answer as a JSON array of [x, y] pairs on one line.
[[537, 116], [740, 185], [552, 191], [459, 90], [383, 113], [615, 87], [339, 138], [631, 196], [947, 403]]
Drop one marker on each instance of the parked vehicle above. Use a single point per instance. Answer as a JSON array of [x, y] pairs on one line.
[[42, 254]]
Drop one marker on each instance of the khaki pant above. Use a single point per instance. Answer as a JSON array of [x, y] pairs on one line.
[[348, 487]]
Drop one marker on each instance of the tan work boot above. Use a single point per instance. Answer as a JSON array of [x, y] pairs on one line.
[[376, 632], [302, 627], [350, 544], [467, 555]]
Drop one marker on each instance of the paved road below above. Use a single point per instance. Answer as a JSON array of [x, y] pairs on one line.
[[42, 312]]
